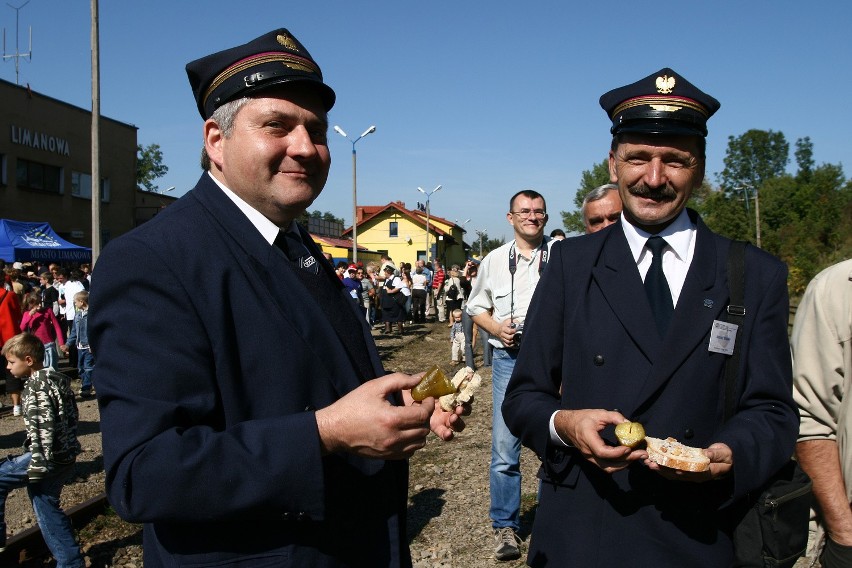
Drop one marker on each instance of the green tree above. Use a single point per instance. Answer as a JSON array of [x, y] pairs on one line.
[[804, 218], [149, 166], [486, 244], [597, 176], [754, 158], [317, 214], [805, 158]]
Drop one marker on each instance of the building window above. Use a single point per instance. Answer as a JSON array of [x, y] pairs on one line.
[[81, 186], [394, 229], [33, 175]]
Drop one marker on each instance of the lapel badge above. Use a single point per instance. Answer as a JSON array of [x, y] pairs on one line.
[[665, 84], [708, 303]]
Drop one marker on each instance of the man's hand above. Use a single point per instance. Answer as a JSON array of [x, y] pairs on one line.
[[506, 332], [581, 429], [721, 462], [365, 423]]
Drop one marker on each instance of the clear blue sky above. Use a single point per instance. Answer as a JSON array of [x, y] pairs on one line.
[[483, 97]]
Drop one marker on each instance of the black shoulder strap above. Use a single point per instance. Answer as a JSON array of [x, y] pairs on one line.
[[736, 314]]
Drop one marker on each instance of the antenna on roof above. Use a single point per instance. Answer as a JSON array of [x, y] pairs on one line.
[[18, 55]]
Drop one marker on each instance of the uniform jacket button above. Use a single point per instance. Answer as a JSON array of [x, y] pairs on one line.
[[310, 408], [688, 433], [288, 516], [598, 360], [302, 516]]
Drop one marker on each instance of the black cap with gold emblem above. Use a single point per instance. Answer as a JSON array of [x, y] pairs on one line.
[[661, 103], [272, 59]]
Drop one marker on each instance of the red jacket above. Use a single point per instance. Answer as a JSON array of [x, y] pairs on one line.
[[10, 316]]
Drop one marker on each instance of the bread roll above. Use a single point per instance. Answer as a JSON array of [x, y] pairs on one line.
[[466, 382], [673, 454]]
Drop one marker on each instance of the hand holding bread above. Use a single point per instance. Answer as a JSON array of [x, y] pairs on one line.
[[673, 455], [667, 453]]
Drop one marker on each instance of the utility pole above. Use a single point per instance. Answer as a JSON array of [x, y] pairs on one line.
[[96, 114], [744, 189]]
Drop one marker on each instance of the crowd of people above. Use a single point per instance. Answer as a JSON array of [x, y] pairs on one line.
[[51, 302], [388, 293], [277, 399]]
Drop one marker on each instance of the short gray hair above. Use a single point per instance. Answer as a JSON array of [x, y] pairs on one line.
[[224, 116], [597, 194]]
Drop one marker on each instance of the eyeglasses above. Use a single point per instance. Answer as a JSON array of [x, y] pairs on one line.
[[537, 213]]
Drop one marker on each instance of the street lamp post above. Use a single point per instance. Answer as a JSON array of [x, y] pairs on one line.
[[354, 189], [428, 194], [462, 224]]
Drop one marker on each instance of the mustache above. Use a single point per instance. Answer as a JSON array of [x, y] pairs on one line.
[[662, 193]]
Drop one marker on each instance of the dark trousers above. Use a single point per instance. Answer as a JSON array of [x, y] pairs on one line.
[[418, 305]]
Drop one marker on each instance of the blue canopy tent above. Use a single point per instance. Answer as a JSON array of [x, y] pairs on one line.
[[22, 241]]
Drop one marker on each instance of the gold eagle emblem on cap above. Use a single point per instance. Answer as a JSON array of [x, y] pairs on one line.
[[287, 42], [665, 84]]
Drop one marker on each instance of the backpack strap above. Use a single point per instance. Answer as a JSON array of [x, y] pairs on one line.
[[736, 314]]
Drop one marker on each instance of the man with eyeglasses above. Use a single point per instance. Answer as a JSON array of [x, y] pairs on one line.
[[498, 304]]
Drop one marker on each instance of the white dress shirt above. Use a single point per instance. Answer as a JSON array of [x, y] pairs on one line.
[[267, 228]]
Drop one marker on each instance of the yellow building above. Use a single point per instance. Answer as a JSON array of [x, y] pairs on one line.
[[400, 233]]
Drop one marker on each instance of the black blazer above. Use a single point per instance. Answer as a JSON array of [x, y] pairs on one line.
[[591, 342], [211, 358]]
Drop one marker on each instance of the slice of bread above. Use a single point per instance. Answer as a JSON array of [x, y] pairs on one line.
[[673, 454], [466, 381]]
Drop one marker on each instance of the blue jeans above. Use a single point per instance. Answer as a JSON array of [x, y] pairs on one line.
[[505, 473], [55, 526], [85, 364], [51, 355]]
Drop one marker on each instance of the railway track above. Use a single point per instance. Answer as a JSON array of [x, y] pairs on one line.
[[28, 545]]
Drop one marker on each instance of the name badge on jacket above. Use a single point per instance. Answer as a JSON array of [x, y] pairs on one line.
[[722, 337]]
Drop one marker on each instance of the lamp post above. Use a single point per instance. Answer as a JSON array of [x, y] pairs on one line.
[[354, 189], [428, 194], [462, 224]]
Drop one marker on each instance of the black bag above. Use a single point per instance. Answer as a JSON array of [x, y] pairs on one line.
[[772, 530], [452, 291], [401, 299]]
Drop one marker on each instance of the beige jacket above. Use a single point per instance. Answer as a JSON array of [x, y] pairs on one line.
[[822, 354]]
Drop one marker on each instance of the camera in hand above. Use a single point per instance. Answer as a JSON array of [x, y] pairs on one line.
[[519, 335]]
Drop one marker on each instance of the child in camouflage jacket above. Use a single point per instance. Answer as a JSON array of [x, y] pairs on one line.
[[50, 448]]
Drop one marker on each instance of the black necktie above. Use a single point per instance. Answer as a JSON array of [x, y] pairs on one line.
[[295, 250], [657, 287]]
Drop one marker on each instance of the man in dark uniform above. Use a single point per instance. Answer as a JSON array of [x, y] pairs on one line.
[[622, 328], [243, 421]]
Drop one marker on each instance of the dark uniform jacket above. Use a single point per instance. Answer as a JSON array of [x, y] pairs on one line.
[[591, 342], [212, 356]]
